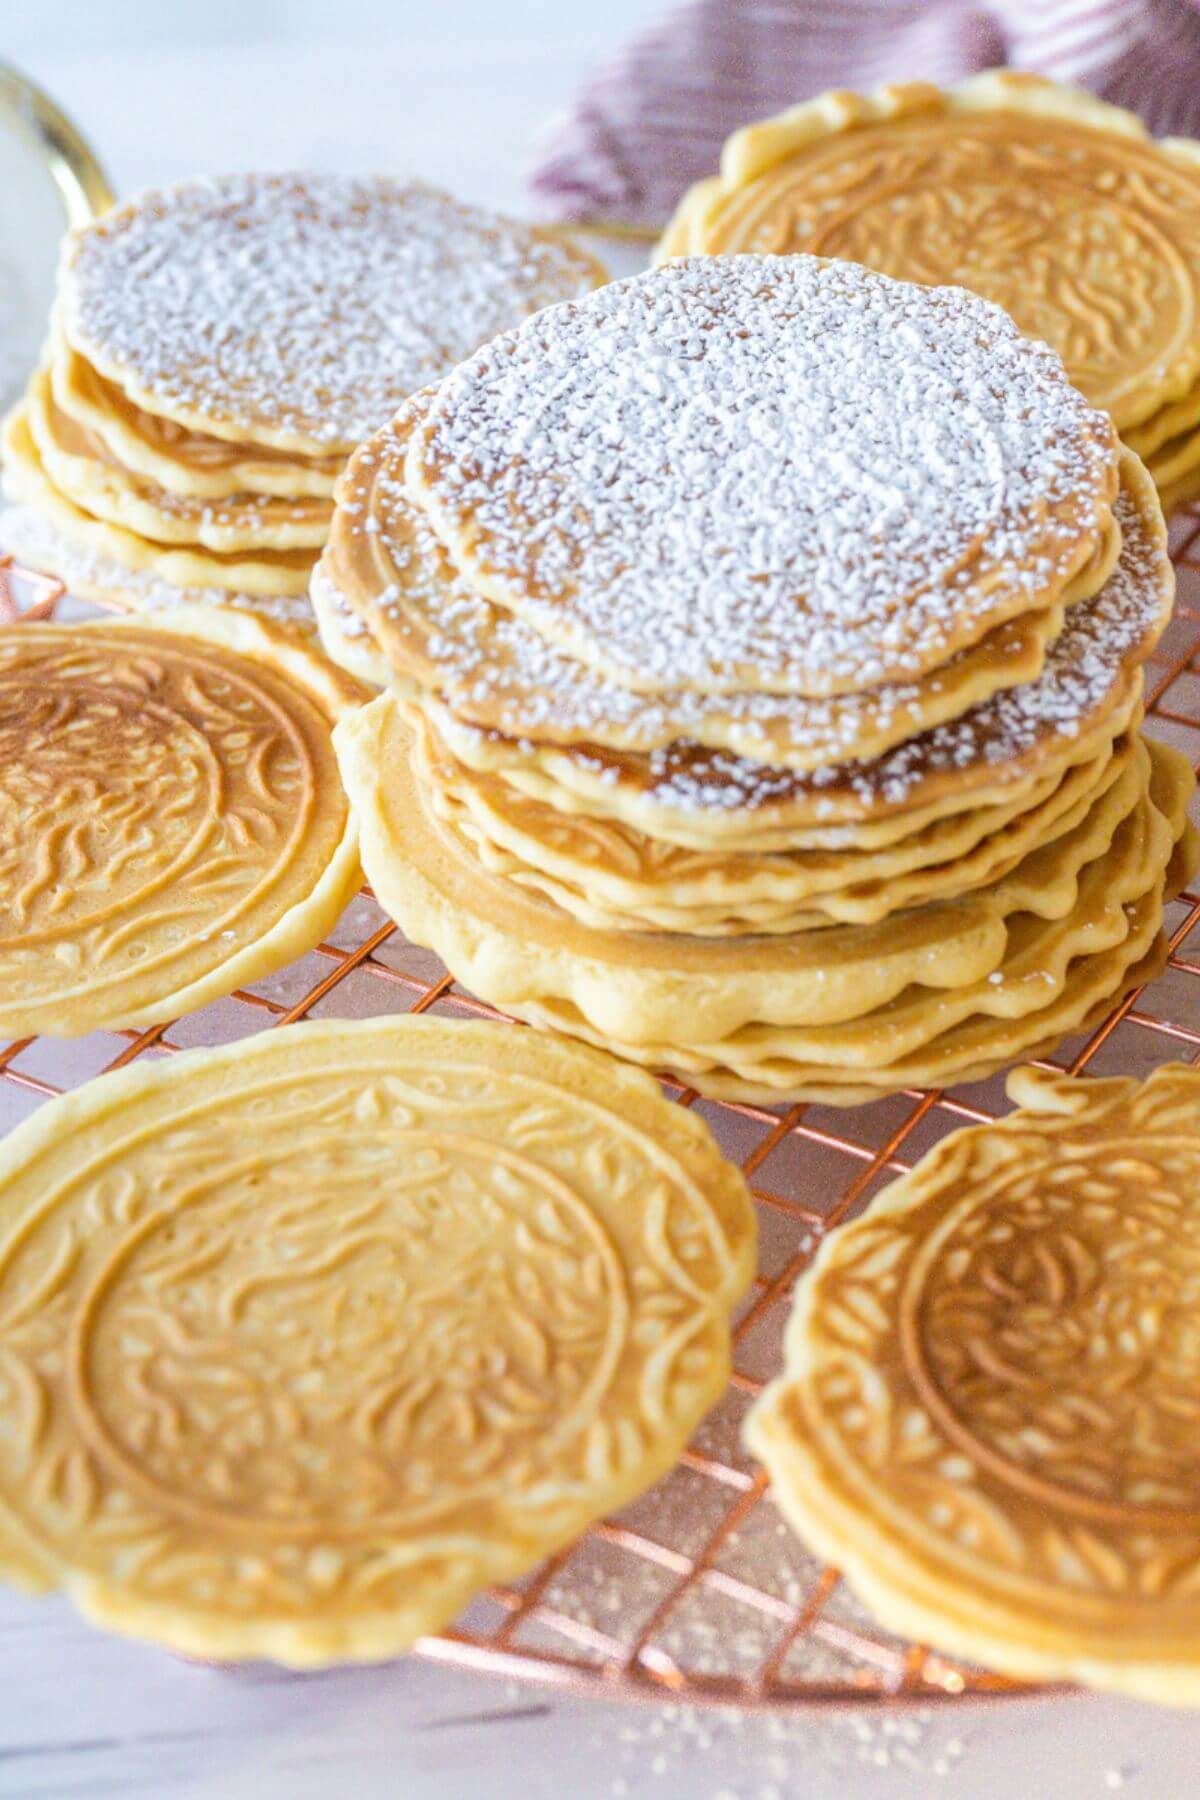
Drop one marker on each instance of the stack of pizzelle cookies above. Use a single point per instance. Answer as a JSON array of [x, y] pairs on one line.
[[1056, 205], [763, 640], [218, 349]]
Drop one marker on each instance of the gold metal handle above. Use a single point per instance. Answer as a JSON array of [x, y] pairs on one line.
[[72, 163]]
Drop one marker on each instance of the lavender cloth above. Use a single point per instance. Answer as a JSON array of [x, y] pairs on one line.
[[653, 119]]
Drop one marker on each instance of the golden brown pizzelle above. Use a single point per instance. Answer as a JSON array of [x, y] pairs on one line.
[[986, 1412], [173, 822]]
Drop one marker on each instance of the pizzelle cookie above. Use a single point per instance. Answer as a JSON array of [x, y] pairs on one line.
[[987, 1412], [174, 825], [217, 349], [297, 310], [607, 875], [1087, 693], [309, 1338], [386, 565], [115, 561], [647, 478], [162, 451], [1055, 205], [669, 993], [81, 466]]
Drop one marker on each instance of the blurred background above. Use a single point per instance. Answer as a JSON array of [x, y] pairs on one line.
[[453, 90]]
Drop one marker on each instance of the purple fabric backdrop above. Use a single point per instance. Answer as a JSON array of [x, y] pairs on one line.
[[653, 119]]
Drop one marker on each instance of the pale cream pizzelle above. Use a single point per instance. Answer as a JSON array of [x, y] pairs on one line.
[[494, 670], [701, 801], [271, 574], [81, 467], [606, 874], [970, 1052], [1079, 911], [273, 1459], [814, 860], [576, 488], [174, 825], [940, 186], [170, 455], [513, 948], [298, 311], [29, 535], [1096, 984], [1064, 903], [987, 1414]]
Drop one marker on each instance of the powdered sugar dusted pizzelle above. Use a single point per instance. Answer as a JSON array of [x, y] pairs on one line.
[[1091, 675], [299, 310], [780, 475], [496, 670]]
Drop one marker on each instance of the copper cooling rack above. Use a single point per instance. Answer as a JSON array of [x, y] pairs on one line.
[[698, 1591]]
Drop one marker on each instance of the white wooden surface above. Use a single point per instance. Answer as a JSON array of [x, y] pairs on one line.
[[455, 90]]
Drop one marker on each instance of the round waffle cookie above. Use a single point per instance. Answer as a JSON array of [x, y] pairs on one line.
[[110, 554], [168, 454], [608, 875], [987, 1417], [298, 311], [1060, 208], [495, 670], [345, 635], [311, 1337], [772, 475], [174, 826], [1089, 691], [31, 536], [861, 995], [83, 469], [1058, 976]]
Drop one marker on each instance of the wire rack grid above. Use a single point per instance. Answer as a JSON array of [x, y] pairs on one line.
[[698, 1591]]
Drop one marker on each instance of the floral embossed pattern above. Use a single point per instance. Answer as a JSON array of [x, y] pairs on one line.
[[1095, 250], [304, 1340], [169, 800], [1057, 207], [989, 1414]]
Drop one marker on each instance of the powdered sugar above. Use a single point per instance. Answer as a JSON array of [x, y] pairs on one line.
[[1103, 640], [311, 304], [1102, 637], [495, 669], [765, 472]]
